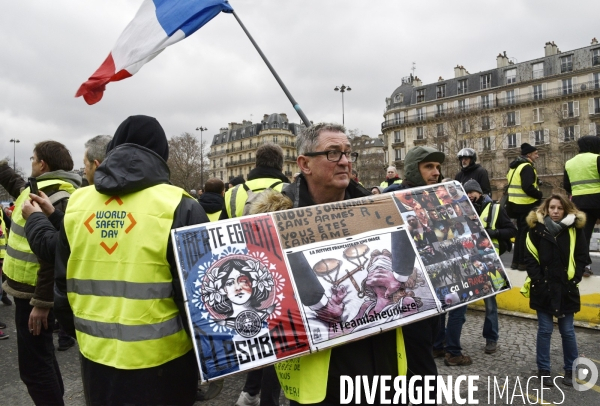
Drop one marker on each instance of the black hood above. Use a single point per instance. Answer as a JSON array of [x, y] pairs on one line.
[[130, 168], [144, 131], [211, 202], [589, 143]]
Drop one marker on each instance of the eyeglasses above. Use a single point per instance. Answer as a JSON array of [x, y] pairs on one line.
[[335, 156]]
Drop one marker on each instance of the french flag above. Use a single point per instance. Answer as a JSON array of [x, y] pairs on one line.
[[157, 24]]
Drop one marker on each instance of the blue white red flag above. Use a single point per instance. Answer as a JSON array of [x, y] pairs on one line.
[[157, 24]]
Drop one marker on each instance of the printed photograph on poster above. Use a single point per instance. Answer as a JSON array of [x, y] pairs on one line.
[[239, 296], [356, 286], [458, 256]]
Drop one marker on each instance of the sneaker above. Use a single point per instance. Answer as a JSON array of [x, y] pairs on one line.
[[210, 391], [6, 300], [568, 378], [246, 400], [490, 347], [457, 360], [2, 326], [3, 335], [438, 353], [65, 343], [587, 271]]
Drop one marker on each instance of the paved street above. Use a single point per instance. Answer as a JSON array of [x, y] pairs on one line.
[[514, 359]]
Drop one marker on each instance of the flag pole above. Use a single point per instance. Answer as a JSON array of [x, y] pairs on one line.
[[285, 90]]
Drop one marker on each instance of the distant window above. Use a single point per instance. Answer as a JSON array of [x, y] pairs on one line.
[[485, 81], [485, 122], [569, 133], [511, 76], [567, 86], [537, 92], [420, 114], [596, 80], [566, 64], [538, 115], [570, 109], [462, 105], [440, 130], [462, 86], [487, 143], [485, 101], [538, 70], [511, 119], [510, 97], [539, 137], [596, 56], [419, 133], [440, 110], [440, 91], [512, 140], [420, 95]]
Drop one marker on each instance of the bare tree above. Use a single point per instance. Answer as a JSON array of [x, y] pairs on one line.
[[185, 162]]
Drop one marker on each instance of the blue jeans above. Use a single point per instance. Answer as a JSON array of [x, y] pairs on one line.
[[544, 334], [451, 333], [490, 325]]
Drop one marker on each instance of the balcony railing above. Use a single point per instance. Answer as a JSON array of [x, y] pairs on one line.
[[498, 102]]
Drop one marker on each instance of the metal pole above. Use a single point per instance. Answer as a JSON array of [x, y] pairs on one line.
[[343, 118], [285, 90], [201, 129]]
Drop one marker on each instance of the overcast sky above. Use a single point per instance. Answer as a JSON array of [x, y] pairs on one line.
[[216, 77]]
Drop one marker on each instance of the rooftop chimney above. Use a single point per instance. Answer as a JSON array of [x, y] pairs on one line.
[[265, 117], [459, 71], [550, 49], [417, 82], [594, 41], [502, 60]]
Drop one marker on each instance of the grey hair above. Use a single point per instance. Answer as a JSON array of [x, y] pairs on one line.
[[309, 138], [95, 148], [392, 167]]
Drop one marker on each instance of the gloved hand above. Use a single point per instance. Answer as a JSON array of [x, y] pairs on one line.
[[493, 233]]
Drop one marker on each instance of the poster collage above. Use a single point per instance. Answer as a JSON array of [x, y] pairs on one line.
[[268, 287], [457, 254]]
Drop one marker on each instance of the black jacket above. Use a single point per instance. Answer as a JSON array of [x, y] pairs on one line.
[[211, 202], [478, 173], [127, 169], [551, 291], [505, 228], [528, 177]]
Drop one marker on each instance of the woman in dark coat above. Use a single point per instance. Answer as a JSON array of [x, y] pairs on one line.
[[555, 257]]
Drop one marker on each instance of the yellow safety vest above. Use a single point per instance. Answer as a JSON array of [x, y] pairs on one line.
[[516, 194], [384, 184], [583, 174], [497, 280], [235, 199], [484, 216], [20, 263], [214, 216], [533, 250], [119, 281], [2, 237], [304, 379]]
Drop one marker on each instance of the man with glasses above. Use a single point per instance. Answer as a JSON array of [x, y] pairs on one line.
[[325, 159]]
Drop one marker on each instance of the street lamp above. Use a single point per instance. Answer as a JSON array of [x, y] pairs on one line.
[[201, 129], [342, 89], [14, 141]]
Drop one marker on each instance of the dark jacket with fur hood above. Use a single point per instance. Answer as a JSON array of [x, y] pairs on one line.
[[551, 290]]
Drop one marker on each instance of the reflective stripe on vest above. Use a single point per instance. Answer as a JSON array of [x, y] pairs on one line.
[[484, 216], [235, 198], [119, 281], [516, 194], [533, 250], [385, 184], [2, 237], [307, 382], [214, 216], [583, 174], [20, 263]]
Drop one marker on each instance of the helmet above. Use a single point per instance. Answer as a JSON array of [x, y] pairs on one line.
[[467, 153]]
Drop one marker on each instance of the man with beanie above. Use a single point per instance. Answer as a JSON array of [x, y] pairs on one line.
[[523, 196], [582, 182], [471, 170], [115, 261]]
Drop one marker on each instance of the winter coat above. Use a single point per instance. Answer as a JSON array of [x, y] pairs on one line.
[[551, 291], [528, 178], [128, 168], [478, 173]]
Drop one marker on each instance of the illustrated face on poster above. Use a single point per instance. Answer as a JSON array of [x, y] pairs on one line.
[[443, 195]]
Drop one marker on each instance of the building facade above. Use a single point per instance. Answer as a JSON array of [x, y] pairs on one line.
[[371, 158], [548, 102], [233, 149]]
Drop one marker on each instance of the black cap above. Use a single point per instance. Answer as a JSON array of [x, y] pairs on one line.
[[527, 149]]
